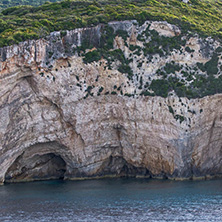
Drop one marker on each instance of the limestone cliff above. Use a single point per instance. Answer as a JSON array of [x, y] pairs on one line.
[[66, 114]]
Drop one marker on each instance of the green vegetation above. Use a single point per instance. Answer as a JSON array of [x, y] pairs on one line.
[[171, 68], [181, 118], [103, 50], [11, 3], [211, 66], [201, 86], [160, 44], [191, 83], [20, 23], [189, 50], [171, 109], [92, 56], [161, 87], [176, 117], [124, 68]]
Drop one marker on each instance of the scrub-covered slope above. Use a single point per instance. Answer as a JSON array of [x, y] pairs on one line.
[[26, 22], [11, 3]]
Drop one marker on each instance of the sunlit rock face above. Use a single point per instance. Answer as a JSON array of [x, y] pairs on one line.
[[64, 119]]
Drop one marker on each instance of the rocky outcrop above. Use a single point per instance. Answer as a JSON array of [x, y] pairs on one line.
[[62, 118]]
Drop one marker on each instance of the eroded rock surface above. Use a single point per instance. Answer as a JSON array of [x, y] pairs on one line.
[[61, 119]]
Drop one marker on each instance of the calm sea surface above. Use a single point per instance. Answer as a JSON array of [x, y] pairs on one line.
[[112, 200]]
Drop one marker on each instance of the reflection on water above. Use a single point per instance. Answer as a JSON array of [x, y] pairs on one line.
[[112, 200]]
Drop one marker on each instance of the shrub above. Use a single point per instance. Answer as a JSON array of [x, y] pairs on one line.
[[211, 66], [92, 56], [160, 87], [124, 68], [63, 34], [188, 49]]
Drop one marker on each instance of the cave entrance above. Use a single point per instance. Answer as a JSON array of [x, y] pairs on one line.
[[120, 167], [37, 167]]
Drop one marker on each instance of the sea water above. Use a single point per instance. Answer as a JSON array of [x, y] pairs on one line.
[[112, 200]]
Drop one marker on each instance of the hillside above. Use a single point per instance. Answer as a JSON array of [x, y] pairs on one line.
[[11, 3], [20, 23], [111, 89]]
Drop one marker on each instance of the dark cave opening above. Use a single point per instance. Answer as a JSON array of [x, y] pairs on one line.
[[37, 167], [121, 168]]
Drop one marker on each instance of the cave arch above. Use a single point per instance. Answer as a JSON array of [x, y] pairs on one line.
[[42, 161], [38, 167]]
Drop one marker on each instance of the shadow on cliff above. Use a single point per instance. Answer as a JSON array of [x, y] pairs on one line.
[[38, 167], [42, 161]]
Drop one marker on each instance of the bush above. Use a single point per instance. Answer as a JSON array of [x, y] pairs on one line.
[[124, 68], [63, 15], [188, 49], [211, 66], [160, 87], [92, 56], [171, 68], [63, 33]]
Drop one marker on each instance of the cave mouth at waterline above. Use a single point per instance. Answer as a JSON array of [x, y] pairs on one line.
[[38, 167]]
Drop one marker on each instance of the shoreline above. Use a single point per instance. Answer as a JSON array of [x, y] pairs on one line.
[[201, 178]]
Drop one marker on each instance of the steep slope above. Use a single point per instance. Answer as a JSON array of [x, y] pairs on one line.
[[11, 3], [25, 22]]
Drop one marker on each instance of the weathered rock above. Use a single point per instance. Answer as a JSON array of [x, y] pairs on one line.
[[166, 29], [50, 129]]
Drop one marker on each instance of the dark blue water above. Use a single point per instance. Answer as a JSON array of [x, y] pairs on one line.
[[112, 200]]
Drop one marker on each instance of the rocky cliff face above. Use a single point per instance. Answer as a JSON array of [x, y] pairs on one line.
[[63, 116]]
